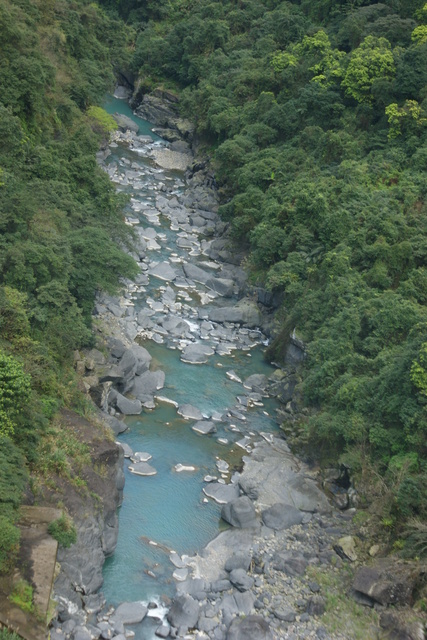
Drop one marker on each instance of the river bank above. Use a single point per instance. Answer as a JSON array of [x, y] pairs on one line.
[[284, 531]]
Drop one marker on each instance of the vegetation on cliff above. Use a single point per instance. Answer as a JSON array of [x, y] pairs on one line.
[[315, 115], [61, 228]]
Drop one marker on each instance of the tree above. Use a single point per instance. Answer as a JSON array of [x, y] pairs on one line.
[[370, 62], [15, 389]]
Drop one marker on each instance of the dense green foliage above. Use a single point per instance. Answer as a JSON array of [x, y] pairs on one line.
[[316, 113], [61, 229]]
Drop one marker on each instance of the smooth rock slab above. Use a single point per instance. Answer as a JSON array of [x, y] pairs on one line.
[[250, 628], [163, 271], [196, 353], [204, 427], [129, 613], [142, 469], [281, 516], [189, 412], [221, 493], [127, 407]]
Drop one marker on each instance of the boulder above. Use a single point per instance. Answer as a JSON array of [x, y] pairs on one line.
[[221, 493], [143, 358], [196, 353], [125, 123], [184, 612], [250, 628], [196, 273], [142, 469], [255, 381], [239, 513], [223, 286], [127, 407], [238, 561], [244, 312], [189, 412], [204, 427], [240, 579], [281, 516], [346, 548], [387, 582], [148, 383], [163, 271], [129, 613]]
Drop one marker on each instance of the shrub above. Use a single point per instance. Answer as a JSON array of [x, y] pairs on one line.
[[9, 544], [64, 531]]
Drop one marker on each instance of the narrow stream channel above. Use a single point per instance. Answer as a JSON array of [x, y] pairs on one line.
[[170, 509]]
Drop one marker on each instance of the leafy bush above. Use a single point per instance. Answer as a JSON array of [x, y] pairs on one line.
[[22, 596], [64, 531], [9, 544]]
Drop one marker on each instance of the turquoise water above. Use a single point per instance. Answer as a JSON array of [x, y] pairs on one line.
[[114, 105], [170, 508]]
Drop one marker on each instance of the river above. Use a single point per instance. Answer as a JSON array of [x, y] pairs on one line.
[[169, 511]]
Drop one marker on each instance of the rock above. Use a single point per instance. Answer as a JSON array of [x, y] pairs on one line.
[[125, 123], [141, 456], [162, 631], [196, 273], [189, 412], [240, 579], [244, 312], [204, 427], [148, 383], [142, 469], [184, 612], [129, 613], [346, 548], [284, 613], [117, 426], [163, 271], [316, 606], [250, 628], [196, 353], [143, 358], [238, 561], [221, 493], [281, 516], [255, 381], [127, 407], [128, 363], [239, 513], [387, 582], [223, 286]]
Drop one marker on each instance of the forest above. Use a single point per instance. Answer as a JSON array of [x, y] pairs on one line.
[[313, 114], [62, 230]]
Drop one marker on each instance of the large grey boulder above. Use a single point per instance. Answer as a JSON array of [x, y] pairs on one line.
[[127, 407], [128, 363], [196, 273], [184, 613], [244, 312], [176, 327], [142, 469], [388, 582], [240, 579], [129, 613], [148, 383], [204, 427], [250, 628], [221, 493], [143, 358], [163, 271], [223, 286], [125, 123], [238, 561], [281, 516], [196, 353], [240, 513], [189, 412]]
